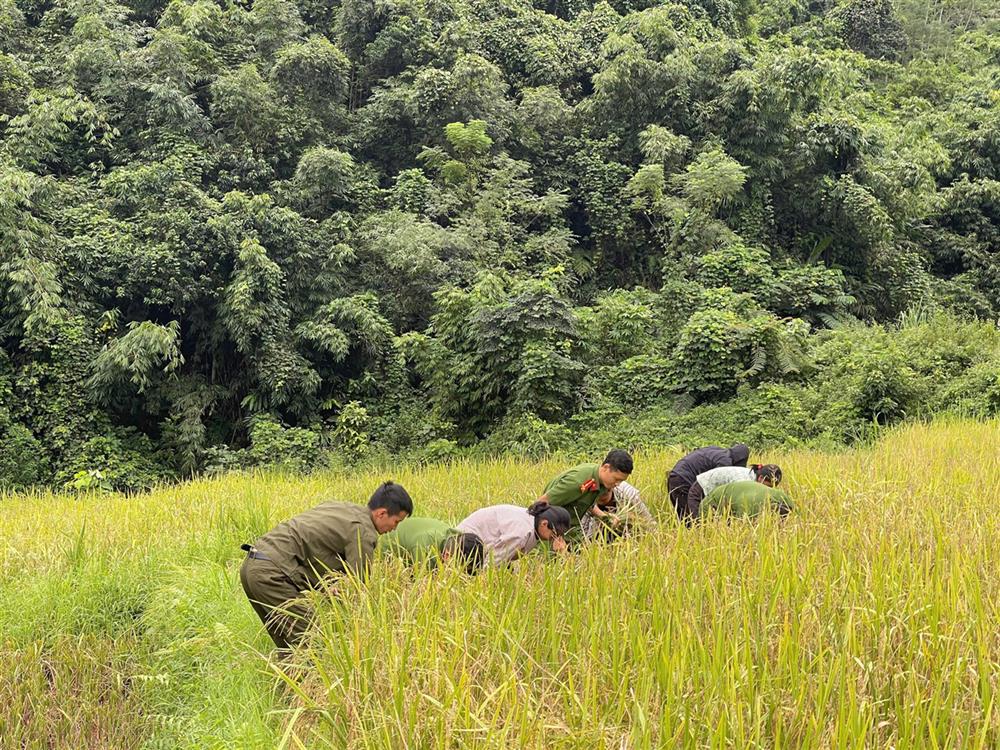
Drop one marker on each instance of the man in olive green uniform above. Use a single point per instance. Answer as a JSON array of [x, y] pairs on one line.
[[746, 499], [294, 556], [428, 541], [581, 489]]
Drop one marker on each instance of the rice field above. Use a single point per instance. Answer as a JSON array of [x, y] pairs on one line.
[[869, 619]]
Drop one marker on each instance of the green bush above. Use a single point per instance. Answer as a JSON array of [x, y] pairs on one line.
[[975, 393], [713, 350], [439, 450], [221, 459], [622, 324], [291, 448], [409, 426], [771, 415], [741, 268], [639, 382], [527, 435], [120, 461], [352, 432], [23, 460]]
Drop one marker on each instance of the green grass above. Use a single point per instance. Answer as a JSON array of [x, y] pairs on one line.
[[867, 620]]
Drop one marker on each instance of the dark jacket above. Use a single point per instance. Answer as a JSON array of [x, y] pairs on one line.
[[706, 459]]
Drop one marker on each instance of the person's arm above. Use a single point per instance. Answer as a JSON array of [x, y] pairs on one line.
[[695, 495], [358, 554], [605, 506], [598, 512], [782, 503]]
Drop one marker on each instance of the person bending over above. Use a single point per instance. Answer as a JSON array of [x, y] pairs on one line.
[[511, 531], [297, 554], [584, 488], [766, 474], [428, 541], [745, 500], [686, 471]]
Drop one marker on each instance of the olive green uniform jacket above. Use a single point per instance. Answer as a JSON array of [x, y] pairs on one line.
[[294, 556], [748, 499], [417, 539], [576, 490]]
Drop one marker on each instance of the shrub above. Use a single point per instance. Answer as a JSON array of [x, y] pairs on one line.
[[23, 460], [639, 382], [976, 393], [351, 433], [292, 448], [119, 461], [713, 349], [527, 435], [439, 450]]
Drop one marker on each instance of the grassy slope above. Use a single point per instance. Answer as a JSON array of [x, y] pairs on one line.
[[866, 620]]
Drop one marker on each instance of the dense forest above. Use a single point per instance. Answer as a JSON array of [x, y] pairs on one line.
[[291, 231]]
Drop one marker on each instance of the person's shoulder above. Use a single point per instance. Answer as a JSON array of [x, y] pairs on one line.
[[421, 525], [330, 509], [338, 505], [574, 475], [352, 513], [626, 491]]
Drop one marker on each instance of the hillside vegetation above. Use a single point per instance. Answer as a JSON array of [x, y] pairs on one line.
[[236, 233]]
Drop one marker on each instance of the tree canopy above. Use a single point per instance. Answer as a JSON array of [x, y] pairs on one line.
[[232, 231]]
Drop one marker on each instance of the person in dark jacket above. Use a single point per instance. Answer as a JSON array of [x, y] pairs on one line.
[[686, 471]]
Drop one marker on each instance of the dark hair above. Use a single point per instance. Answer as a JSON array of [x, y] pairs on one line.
[[468, 548], [619, 460], [393, 498], [557, 517], [771, 472]]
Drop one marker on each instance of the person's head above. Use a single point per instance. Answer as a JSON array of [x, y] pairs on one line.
[[616, 469], [769, 474], [551, 521], [389, 505], [738, 454], [466, 549]]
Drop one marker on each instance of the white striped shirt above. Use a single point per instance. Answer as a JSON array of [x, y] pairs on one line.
[[627, 503]]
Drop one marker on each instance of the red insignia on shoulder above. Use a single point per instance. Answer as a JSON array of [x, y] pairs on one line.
[[589, 486]]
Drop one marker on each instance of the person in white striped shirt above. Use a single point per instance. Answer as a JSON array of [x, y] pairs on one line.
[[627, 514]]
